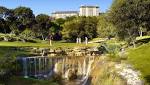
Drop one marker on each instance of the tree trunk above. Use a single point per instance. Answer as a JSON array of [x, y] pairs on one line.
[[43, 37], [50, 42], [133, 42], [141, 32]]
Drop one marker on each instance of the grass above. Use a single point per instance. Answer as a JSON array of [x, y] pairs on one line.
[[29, 81], [143, 37], [104, 74], [12, 51], [55, 44], [140, 58]]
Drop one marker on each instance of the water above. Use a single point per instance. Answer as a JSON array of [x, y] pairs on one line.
[[45, 67]]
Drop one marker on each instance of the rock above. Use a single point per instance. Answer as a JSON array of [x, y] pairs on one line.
[[126, 72], [5, 39]]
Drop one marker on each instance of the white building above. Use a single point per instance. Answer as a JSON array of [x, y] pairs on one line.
[[64, 14], [89, 11]]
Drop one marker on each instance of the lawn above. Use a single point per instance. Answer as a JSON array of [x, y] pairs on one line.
[[13, 51], [55, 44], [140, 58]]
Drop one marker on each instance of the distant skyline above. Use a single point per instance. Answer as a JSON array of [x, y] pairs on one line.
[[49, 6]]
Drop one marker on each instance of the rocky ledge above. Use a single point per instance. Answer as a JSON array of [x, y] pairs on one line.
[[131, 76]]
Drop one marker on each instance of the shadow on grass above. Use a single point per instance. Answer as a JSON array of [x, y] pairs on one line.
[[147, 78]]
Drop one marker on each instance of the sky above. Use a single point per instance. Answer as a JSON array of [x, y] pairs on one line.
[[49, 6]]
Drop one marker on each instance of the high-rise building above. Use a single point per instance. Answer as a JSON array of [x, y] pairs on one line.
[[64, 14], [89, 11]]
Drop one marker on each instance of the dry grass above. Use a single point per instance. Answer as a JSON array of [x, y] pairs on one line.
[[104, 74]]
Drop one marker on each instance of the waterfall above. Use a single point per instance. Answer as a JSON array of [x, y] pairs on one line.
[[80, 71], [39, 66], [45, 67], [50, 65], [56, 68], [35, 67], [84, 67], [85, 78], [30, 69], [25, 69], [63, 66]]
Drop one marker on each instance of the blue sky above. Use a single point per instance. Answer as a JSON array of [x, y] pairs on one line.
[[49, 6]]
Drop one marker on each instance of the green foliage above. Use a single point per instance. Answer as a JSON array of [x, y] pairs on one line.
[[25, 16], [140, 58], [42, 18], [3, 9], [42, 28], [27, 34], [128, 16], [80, 27], [143, 37], [59, 21], [104, 28], [7, 62], [108, 76], [22, 81]]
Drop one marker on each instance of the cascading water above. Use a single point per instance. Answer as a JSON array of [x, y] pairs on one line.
[[35, 73], [84, 67], [76, 68], [25, 68], [85, 78]]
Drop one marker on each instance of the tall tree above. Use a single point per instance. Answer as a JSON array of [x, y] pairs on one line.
[[129, 16], [25, 16], [80, 27], [5, 16], [104, 28], [43, 25]]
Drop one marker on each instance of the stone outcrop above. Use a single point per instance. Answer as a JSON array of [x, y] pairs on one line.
[[131, 76]]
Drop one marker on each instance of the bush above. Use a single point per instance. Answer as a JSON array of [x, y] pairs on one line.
[[57, 78], [1, 39], [6, 66]]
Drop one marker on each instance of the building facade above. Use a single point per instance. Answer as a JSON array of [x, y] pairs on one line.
[[64, 14], [89, 11], [84, 11]]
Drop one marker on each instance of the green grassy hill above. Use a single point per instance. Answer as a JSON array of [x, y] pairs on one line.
[[140, 58]]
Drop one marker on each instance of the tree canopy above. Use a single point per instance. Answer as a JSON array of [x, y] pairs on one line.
[[80, 27], [105, 28], [129, 16]]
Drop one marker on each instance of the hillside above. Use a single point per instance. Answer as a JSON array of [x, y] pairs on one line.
[[140, 58]]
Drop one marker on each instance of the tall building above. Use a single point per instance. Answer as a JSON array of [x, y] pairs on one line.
[[89, 11], [64, 14]]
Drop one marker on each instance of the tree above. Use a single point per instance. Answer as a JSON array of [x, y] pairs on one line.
[[104, 28], [60, 21], [80, 27], [55, 31], [5, 15], [3, 10], [43, 25], [25, 16], [70, 30], [27, 34], [128, 16]]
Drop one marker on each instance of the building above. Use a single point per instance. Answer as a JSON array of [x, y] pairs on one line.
[[84, 11], [89, 11], [64, 14]]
